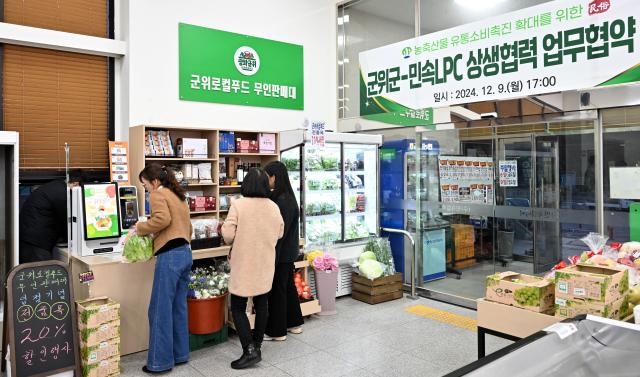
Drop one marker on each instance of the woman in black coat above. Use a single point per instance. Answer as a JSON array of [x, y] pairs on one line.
[[284, 305]]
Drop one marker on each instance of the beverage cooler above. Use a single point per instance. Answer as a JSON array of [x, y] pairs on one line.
[[337, 187], [399, 176]]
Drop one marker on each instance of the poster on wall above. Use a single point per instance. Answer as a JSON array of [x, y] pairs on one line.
[[100, 210], [466, 179], [119, 161], [318, 134], [223, 67], [508, 173], [555, 46]]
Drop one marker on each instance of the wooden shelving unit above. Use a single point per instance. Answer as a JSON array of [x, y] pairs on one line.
[[139, 160]]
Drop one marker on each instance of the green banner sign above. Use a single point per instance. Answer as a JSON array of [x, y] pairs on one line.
[[222, 67]]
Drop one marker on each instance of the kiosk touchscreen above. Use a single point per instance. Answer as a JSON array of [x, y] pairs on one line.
[[95, 218], [128, 197]]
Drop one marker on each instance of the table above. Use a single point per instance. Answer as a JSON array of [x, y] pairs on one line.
[[127, 283], [508, 322]]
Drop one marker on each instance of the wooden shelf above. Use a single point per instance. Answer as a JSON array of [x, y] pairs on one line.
[[180, 159], [199, 184], [215, 252], [224, 210], [249, 154], [231, 187], [202, 212]]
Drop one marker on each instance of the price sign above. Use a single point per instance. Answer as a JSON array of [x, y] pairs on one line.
[[41, 319]]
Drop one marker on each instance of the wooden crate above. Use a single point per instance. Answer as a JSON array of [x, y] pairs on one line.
[[377, 290]]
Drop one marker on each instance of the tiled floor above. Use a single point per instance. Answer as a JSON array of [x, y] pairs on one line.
[[361, 340]]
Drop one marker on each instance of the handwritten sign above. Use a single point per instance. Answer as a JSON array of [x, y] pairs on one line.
[[508, 173], [41, 319], [318, 134]]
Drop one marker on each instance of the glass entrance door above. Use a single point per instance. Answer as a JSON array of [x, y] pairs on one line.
[[528, 232]]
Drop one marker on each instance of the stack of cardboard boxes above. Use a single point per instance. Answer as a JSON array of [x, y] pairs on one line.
[[601, 291], [99, 329], [463, 246], [522, 291]]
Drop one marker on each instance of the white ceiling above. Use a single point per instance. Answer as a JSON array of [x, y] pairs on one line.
[[436, 15]]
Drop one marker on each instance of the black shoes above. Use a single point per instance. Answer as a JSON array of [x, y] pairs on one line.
[[144, 369], [250, 356]]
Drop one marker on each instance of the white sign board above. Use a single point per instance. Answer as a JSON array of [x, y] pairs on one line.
[[318, 134], [556, 46], [624, 183], [508, 173]]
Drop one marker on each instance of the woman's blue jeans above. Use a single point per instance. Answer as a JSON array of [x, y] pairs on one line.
[[168, 328]]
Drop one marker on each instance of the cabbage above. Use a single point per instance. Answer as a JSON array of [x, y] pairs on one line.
[[365, 256], [371, 269], [138, 248]]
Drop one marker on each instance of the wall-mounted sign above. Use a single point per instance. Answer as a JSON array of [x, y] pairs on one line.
[[508, 173], [119, 161], [218, 66], [318, 134], [556, 46]]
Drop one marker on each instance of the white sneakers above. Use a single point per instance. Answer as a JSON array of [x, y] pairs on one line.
[[293, 330]]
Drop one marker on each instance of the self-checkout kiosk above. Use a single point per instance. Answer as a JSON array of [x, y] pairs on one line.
[[99, 214]]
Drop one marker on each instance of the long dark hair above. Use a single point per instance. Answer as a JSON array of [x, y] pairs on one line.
[[165, 176], [283, 185], [255, 184]]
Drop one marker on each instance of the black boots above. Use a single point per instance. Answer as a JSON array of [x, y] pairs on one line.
[[250, 356]]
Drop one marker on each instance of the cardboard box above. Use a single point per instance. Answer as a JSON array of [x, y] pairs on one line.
[[97, 311], [105, 368], [511, 320], [243, 145], [232, 167], [520, 290], [602, 284], [227, 142], [97, 353], [188, 147], [569, 308], [267, 143], [91, 336]]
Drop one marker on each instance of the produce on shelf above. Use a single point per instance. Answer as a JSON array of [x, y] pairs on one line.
[[314, 184], [320, 208], [356, 229], [330, 163], [353, 181], [331, 183], [323, 230], [291, 163], [304, 291], [313, 162], [378, 251]]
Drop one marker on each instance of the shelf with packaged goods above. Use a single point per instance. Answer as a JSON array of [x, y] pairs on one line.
[[199, 185], [180, 159], [231, 187], [332, 216], [203, 212], [215, 252], [248, 154]]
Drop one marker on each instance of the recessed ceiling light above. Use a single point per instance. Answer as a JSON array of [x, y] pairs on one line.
[[479, 4]]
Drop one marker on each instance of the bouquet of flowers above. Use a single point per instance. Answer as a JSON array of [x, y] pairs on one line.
[[206, 282], [325, 262]]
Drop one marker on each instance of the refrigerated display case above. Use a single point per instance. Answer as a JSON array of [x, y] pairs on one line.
[[336, 185]]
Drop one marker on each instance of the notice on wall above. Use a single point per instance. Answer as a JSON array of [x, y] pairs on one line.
[[466, 179], [318, 131], [624, 182], [508, 173], [119, 162]]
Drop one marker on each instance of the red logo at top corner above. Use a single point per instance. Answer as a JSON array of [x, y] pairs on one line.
[[599, 6]]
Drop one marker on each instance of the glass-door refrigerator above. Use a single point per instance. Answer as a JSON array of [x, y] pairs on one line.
[[336, 185]]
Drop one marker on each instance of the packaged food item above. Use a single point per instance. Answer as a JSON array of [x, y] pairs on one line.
[[97, 311], [204, 172], [189, 147], [594, 283], [520, 290]]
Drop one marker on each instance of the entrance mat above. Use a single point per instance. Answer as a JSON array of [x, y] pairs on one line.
[[444, 317]]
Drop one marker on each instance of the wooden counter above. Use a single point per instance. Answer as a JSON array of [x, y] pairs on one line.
[[127, 283]]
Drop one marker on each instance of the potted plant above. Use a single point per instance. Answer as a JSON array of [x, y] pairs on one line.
[[206, 300], [326, 270]]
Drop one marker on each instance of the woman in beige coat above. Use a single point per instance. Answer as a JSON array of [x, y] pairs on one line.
[[254, 226]]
